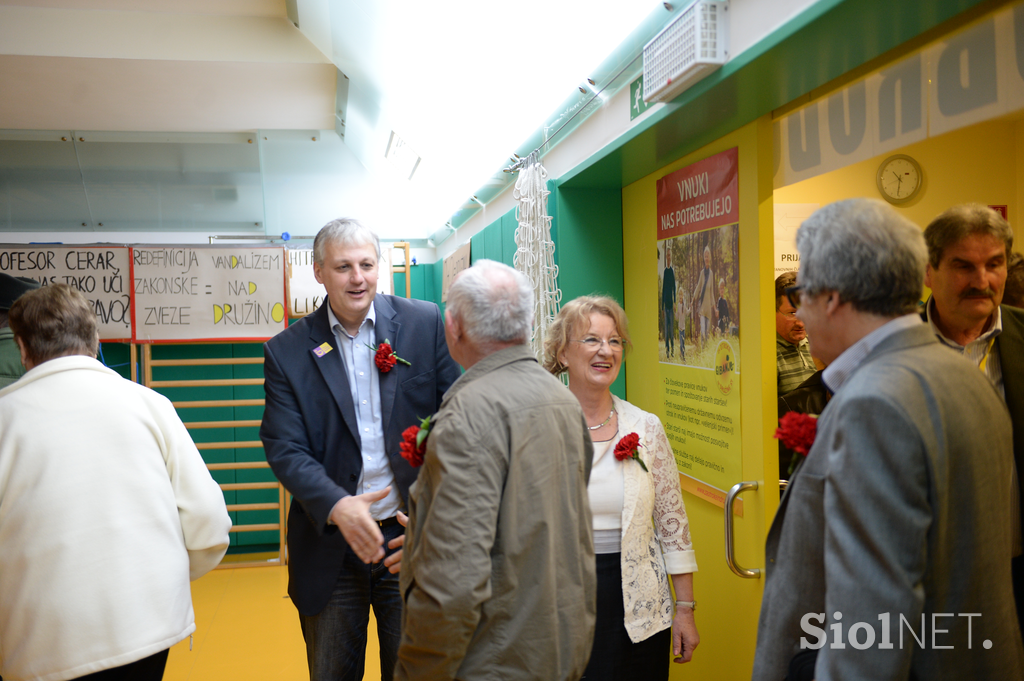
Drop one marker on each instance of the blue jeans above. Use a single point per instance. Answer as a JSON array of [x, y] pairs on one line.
[[336, 637]]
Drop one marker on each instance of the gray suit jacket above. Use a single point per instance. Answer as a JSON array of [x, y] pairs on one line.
[[898, 509]]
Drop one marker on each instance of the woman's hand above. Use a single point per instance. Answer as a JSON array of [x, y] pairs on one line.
[[684, 635]]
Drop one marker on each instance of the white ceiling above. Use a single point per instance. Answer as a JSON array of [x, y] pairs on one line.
[[463, 83], [112, 69]]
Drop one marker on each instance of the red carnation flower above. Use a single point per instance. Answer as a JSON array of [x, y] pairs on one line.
[[385, 358], [797, 431], [627, 448], [410, 452], [414, 443]]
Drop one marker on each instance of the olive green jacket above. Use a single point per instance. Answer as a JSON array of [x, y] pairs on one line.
[[10, 358], [498, 577]]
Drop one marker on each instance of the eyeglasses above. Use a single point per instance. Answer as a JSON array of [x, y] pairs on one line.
[[593, 343], [792, 294]]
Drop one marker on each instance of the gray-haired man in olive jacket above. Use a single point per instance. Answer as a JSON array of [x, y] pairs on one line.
[[498, 577]]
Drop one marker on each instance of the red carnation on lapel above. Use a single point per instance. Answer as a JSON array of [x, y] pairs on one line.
[[628, 448], [385, 358], [414, 443]]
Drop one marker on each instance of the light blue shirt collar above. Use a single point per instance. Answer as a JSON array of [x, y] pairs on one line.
[[836, 374], [332, 319]]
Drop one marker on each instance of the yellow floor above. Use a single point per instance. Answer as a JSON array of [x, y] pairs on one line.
[[248, 630]]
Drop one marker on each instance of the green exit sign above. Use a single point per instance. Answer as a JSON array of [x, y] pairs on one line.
[[637, 105]]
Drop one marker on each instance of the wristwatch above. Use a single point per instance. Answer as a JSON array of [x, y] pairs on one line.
[[692, 605]]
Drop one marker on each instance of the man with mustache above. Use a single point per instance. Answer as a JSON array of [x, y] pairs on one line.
[[968, 251]]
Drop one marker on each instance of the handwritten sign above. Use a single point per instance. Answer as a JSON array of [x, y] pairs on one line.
[[305, 293], [453, 264], [101, 273], [207, 293]]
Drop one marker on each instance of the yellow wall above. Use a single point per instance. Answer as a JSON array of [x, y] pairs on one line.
[[727, 605], [975, 164]]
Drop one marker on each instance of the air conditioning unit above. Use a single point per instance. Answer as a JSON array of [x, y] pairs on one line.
[[692, 46]]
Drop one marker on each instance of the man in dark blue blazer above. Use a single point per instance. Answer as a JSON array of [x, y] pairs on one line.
[[331, 430]]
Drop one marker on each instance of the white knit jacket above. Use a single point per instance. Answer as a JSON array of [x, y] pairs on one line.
[[651, 551]]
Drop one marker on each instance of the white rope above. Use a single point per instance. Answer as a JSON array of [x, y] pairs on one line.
[[535, 252]]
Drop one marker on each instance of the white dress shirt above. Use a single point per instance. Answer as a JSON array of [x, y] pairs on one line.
[[364, 383]]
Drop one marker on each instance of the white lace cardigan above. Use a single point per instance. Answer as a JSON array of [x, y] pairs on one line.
[[651, 551]]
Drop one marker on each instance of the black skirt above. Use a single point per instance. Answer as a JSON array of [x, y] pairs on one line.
[[614, 656]]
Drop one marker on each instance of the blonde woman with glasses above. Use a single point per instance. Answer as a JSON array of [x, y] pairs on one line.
[[633, 482]]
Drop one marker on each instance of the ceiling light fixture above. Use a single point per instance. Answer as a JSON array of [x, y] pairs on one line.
[[401, 156]]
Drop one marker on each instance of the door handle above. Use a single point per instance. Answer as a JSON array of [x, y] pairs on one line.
[[730, 558]]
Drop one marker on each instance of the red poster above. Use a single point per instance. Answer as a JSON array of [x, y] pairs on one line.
[[699, 196]]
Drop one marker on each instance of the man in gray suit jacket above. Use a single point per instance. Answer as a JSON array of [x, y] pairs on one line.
[[969, 247], [890, 550]]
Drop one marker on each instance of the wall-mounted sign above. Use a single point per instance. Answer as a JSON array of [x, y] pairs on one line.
[[699, 196], [222, 293], [101, 273], [637, 105], [305, 293], [788, 218], [453, 264], [698, 313], [973, 75]]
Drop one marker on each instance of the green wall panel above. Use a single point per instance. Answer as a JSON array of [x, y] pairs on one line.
[[423, 287], [509, 224], [478, 245], [496, 241], [437, 276], [243, 541], [495, 247], [587, 233], [117, 356]]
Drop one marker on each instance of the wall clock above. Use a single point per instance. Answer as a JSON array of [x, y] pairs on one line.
[[899, 179]]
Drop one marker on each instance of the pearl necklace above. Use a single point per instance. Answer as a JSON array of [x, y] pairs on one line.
[[605, 422]]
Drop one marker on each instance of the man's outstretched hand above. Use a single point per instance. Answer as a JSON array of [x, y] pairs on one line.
[[352, 516]]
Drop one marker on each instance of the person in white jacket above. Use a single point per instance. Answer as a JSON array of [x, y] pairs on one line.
[[641, 532], [106, 508]]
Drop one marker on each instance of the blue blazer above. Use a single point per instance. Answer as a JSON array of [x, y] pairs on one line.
[[311, 436]]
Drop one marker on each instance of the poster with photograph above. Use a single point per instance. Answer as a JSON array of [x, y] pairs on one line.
[[698, 316]]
